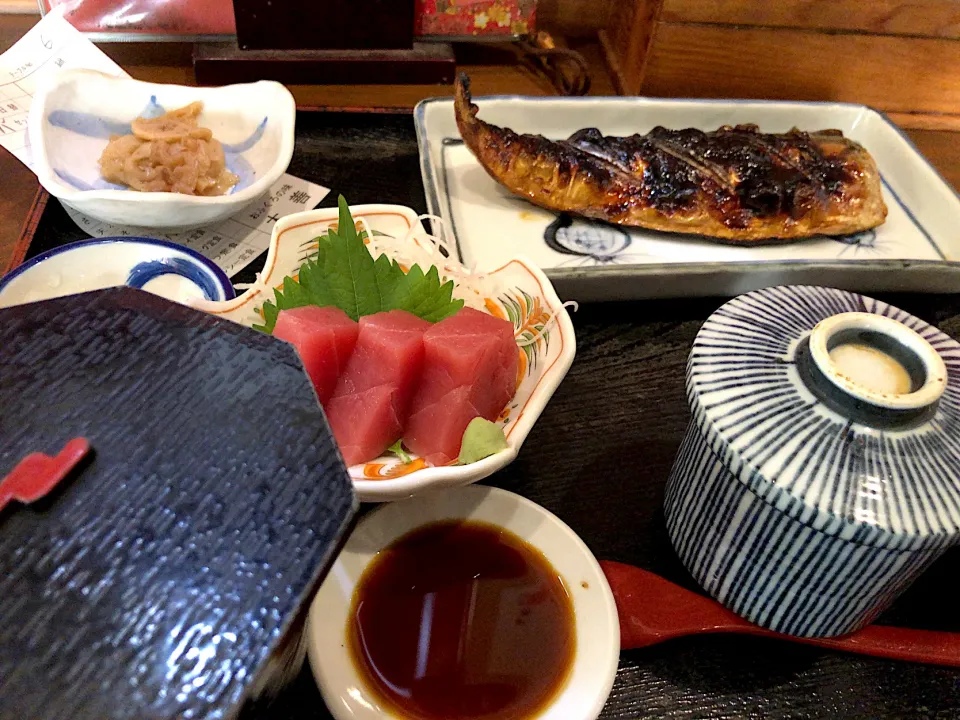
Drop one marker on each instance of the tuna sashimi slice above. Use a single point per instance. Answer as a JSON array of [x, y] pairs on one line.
[[470, 370], [366, 423], [435, 431], [324, 338], [387, 359]]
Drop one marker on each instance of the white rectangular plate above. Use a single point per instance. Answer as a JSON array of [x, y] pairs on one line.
[[916, 249]]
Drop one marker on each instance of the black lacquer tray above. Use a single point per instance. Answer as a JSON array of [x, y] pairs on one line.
[[162, 575], [599, 458]]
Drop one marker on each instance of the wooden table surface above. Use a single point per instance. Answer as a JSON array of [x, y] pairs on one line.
[[599, 457]]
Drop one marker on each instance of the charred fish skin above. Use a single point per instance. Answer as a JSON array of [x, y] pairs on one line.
[[735, 183]]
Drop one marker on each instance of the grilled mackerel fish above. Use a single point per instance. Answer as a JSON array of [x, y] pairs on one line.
[[735, 183]]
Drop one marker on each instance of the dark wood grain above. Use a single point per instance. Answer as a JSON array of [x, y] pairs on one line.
[[13, 26], [626, 42], [885, 71], [599, 457], [923, 18], [20, 196], [226, 63]]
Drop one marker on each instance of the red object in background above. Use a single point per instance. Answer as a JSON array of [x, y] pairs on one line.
[[37, 474], [474, 18], [176, 18], [211, 18], [653, 610]]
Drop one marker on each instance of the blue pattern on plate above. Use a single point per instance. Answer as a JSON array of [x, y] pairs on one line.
[[224, 289], [254, 138], [153, 109], [144, 272], [591, 242], [863, 241], [788, 512], [96, 126], [99, 184], [88, 124], [588, 242], [238, 165]]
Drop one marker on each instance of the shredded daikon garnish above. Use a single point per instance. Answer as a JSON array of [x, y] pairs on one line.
[[537, 335], [423, 248]]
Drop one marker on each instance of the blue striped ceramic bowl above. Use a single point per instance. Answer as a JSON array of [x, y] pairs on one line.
[[820, 474], [164, 268]]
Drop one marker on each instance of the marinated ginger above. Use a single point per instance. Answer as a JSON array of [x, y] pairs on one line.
[[169, 153]]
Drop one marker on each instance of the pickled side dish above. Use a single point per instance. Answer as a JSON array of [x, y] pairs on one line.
[[169, 153]]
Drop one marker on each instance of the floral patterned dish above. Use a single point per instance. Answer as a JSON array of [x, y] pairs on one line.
[[517, 290]]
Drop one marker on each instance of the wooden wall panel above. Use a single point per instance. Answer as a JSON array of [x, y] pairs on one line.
[[575, 18], [928, 18], [21, 193], [19, 7], [626, 42], [887, 72], [943, 150]]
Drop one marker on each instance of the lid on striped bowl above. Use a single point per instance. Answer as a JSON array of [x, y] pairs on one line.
[[838, 409]]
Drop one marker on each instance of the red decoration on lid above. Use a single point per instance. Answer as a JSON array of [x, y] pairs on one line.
[[37, 474]]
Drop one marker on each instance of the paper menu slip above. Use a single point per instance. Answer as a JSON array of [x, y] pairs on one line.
[[51, 45], [233, 243]]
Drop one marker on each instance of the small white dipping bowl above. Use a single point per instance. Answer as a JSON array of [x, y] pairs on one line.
[[591, 678], [163, 268], [75, 112]]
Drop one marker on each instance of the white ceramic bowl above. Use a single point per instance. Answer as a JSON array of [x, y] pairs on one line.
[[75, 112], [597, 625], [164, 268], [519, 291]]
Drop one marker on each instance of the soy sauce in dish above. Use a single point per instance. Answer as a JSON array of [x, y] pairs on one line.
[[461, 620]]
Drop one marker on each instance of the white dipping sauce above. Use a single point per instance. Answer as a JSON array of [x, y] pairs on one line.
[[175, 287], [871, 368]]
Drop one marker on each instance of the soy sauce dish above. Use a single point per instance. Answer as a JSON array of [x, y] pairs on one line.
[[465, 604]]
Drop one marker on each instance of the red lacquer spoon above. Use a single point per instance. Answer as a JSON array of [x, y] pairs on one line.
[[653, 610]]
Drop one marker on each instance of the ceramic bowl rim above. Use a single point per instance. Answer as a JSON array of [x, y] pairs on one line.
[[219, 276], [464, 502], [38, 113], [935, 380]]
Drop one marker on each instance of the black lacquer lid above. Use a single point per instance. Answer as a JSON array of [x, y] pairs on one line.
[[158, 577]]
